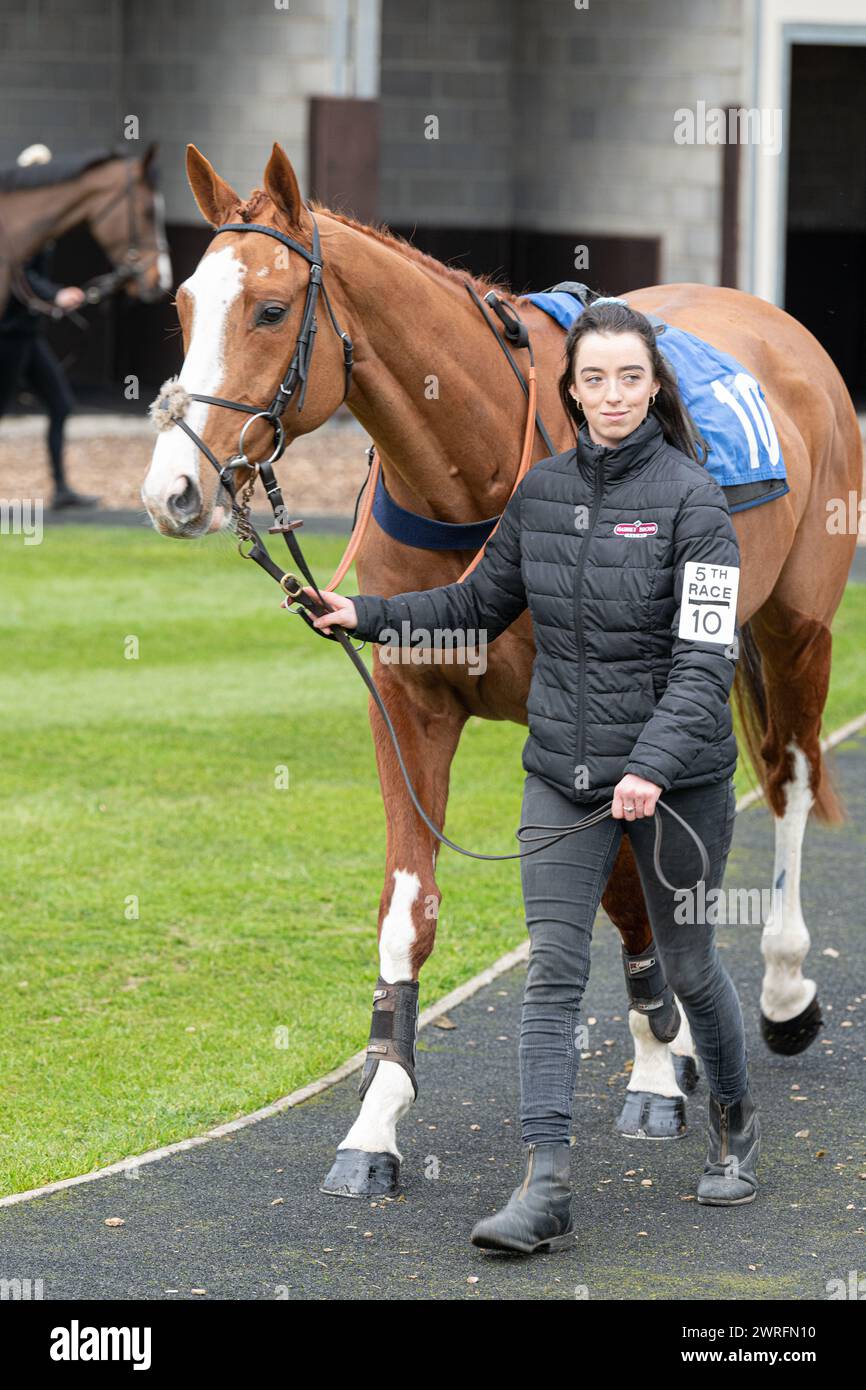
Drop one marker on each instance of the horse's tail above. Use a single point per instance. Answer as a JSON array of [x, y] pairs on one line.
[[750, 695]]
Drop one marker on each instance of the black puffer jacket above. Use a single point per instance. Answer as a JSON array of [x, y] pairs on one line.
[[614, 688]]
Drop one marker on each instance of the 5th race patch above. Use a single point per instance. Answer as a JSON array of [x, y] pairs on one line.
[[708, 612]]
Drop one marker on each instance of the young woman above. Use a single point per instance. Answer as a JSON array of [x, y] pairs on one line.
[[624, 704]]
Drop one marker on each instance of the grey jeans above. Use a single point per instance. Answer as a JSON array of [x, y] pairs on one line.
[[562, 889]]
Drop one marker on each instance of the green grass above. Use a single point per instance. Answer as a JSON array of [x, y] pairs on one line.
[[153, 780]]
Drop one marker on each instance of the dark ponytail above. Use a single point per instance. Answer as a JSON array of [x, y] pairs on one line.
[[677, 424]]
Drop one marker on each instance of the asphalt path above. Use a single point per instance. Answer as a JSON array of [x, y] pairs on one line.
[[242, 1217]]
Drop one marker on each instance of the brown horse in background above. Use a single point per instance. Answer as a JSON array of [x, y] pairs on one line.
[[436, 395], [118, 199]]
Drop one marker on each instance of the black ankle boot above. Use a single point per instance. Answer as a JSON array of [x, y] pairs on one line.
[[538, 1213], [729, 1178]]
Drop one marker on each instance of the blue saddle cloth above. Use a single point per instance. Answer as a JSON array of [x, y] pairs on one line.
[[724, 400]]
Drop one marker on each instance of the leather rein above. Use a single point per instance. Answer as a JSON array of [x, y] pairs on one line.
[[252, 547]]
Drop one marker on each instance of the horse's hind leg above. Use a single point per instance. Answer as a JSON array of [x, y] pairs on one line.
[[795, 651], [427, 720], [665, 1064]]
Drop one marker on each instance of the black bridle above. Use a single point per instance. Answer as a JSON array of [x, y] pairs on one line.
[[133, 264], [297, 375]]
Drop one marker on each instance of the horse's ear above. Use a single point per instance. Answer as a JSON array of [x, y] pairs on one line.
[[281, 186], [214, 196]]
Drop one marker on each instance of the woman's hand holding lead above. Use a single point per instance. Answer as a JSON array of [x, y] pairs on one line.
[[344, 614], [69, 297], [634, 797]]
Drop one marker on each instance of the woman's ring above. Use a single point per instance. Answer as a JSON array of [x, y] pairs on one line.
[[629, 808]]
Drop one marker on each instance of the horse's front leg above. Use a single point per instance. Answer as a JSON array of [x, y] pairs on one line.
[[427, 720], [795, 665], [665, 1066]]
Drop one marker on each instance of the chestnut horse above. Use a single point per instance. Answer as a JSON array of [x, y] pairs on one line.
[[116, 196], [451, 452]]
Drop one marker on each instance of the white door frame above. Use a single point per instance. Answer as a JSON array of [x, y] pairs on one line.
[[777, 25]]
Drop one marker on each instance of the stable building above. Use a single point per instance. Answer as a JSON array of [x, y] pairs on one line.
[[622, 144]]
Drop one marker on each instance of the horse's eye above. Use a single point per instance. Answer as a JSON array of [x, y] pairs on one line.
[[270, 313]]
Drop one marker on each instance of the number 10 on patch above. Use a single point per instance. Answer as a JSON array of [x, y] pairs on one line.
[[708, 612]]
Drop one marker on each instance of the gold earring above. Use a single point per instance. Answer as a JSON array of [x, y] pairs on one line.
[[577, 403], [652, 399]]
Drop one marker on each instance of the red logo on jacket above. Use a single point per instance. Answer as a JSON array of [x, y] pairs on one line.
[[633, 529]]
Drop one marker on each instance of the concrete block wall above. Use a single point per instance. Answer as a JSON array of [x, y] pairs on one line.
[[59, 74], [553, 118], [550, 117], [453, 61], [231, 79], [230, 76]]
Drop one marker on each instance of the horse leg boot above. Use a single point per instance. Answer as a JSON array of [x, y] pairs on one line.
[[729, 1178], [650, 993], [358, 1172], [655, 1101], [538, 1213]]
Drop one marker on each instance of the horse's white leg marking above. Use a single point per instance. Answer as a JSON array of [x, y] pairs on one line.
[[214, 286], [386, 1102], [390, 1093], [653, 1068], [785, 938], [684, 1044], [397, 936]]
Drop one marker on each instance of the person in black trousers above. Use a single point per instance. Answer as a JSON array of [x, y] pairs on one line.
[[616, 547], [27, 359]]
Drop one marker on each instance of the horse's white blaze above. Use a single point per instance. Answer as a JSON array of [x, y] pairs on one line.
[[214, 286], [390, 1092], [163, 266], [653, 1060], [163, 259], [785, 938]]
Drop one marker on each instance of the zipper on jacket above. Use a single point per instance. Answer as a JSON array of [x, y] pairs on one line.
[[578, 581]]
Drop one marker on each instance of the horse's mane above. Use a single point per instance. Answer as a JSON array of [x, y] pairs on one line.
[[58, 170], [249, 210]]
